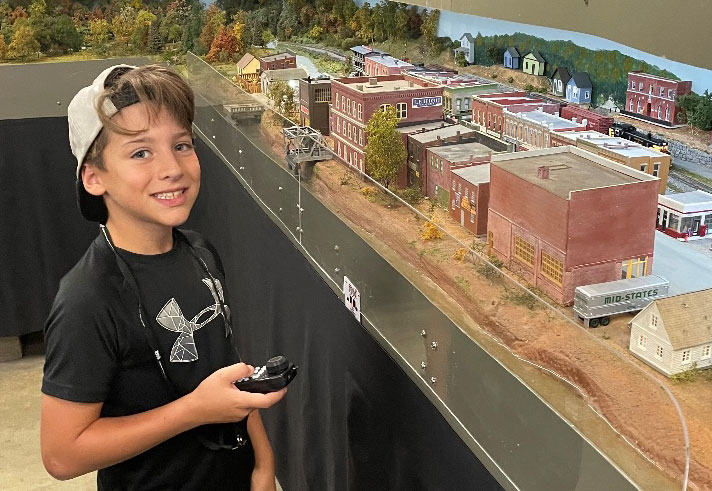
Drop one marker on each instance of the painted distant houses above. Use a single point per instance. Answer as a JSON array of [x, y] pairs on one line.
[[512, 58], [559, 79], [579, 89], [674, 334], [534, 64], [467, 48]]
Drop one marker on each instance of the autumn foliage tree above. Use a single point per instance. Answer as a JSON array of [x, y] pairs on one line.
[[23, 44], [214, 20], [224, 47], [282, 97], [385, 150]]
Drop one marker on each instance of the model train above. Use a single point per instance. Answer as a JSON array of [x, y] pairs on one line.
[[630, 132]]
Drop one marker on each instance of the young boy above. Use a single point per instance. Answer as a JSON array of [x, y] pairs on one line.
[[140, 361]]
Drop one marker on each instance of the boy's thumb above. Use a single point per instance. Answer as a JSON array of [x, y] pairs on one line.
[[237, 371]]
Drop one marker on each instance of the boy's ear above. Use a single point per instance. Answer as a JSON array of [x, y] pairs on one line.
[[91, 178]]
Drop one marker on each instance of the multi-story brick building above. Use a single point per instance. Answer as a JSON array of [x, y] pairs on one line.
[[563, 217], [358, 58], [355, 99], [487, 109], [624, 152], [592, 120], [441, 159], [314, 100], [419, 142], [457, 91], [532, 130], [279, 61], [470, 191], [383, 65], [653, 98]]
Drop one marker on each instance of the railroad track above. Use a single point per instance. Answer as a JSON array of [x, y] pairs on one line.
[[694, 183]]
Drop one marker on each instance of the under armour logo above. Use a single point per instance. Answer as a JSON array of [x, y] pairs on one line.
[[171, 318]]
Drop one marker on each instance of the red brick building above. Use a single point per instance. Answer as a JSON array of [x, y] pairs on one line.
[[355, 99], [383, 64], [470, 193], [441, 159], [278, 62], [653, 98], [534, 129], [563, 217], [487, 108], [592, 120]]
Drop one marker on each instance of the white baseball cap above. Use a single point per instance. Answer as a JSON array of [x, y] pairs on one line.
[[85, 125]]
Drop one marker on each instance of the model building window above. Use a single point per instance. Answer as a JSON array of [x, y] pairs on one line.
[[524, 251], [467, 103], [348, 107], [667, 114], [337, 101], [656, 169], [458, 104], [402, 110], [640, 86], [662, 91], [659, 352], [708, 221], [383, 107], [472, 218], [632, 85], [360, 111], [644, 168], [588, 94], [640, 107], [686, 356], [322, 95], [353, 108], [360, 137], [641, 342], [552, 268], [630, 109], [654, 321], [706, 350], [453, 185], [343, 102], [453, 204]]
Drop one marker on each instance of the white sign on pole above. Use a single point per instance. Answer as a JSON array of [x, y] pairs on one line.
[[352, 298]]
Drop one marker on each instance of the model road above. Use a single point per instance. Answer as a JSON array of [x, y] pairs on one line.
[[686, 269]]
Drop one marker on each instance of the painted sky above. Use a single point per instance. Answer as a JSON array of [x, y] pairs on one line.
[[454, 25]]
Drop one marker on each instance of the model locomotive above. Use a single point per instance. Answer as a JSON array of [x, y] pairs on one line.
[[630, 132]]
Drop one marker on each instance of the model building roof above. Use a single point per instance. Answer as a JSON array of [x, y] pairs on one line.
[[538, 57], [444, 132], [570, 169], [389, 61], [552, 121], [365, 50], [687, 318], [468, 36], [461, 152], [513, 52], [285, 74], [277, 57], [563, 72], [475, 174], [582, 80], [415, 128], [245, 60], [691, 198]]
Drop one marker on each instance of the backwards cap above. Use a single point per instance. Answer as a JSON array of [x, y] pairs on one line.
[[85, 125]]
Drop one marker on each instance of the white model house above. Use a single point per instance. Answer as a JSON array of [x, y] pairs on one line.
[[674, 334]]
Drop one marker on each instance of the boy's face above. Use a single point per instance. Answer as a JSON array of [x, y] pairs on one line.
[[150, 180]]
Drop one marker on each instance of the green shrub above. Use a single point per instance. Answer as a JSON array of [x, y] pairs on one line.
[[510, 80], [686, 376], [411, 195]]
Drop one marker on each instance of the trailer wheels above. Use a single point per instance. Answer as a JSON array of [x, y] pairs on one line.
[[605, 320], [593, 322]]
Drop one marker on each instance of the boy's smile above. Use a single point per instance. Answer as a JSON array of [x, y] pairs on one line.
[[150, 179]]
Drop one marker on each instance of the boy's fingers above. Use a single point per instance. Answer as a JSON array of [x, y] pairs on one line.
[[237, 371], [263, 401]]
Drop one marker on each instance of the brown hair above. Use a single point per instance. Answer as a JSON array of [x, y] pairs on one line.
[[157, 86]]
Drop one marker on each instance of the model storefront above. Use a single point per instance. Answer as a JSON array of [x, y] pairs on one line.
[[685, 214]]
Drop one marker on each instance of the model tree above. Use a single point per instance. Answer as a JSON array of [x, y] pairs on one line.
[[385, 150], [23, 44], [98, 36], [3, 47], [282, 97], [430, 29]]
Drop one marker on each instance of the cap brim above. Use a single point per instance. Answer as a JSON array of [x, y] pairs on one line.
[[92, 207]]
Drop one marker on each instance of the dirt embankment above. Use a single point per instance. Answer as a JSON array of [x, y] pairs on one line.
[[634, 404]]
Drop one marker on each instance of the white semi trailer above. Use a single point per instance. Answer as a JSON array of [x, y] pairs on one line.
[[595, 304]]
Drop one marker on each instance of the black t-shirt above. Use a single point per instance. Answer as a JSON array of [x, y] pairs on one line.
[[97, 350]]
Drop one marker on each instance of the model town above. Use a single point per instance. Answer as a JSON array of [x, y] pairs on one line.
[[566, 189]]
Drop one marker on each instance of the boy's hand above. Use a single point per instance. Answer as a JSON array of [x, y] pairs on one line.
[[217, 400]]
